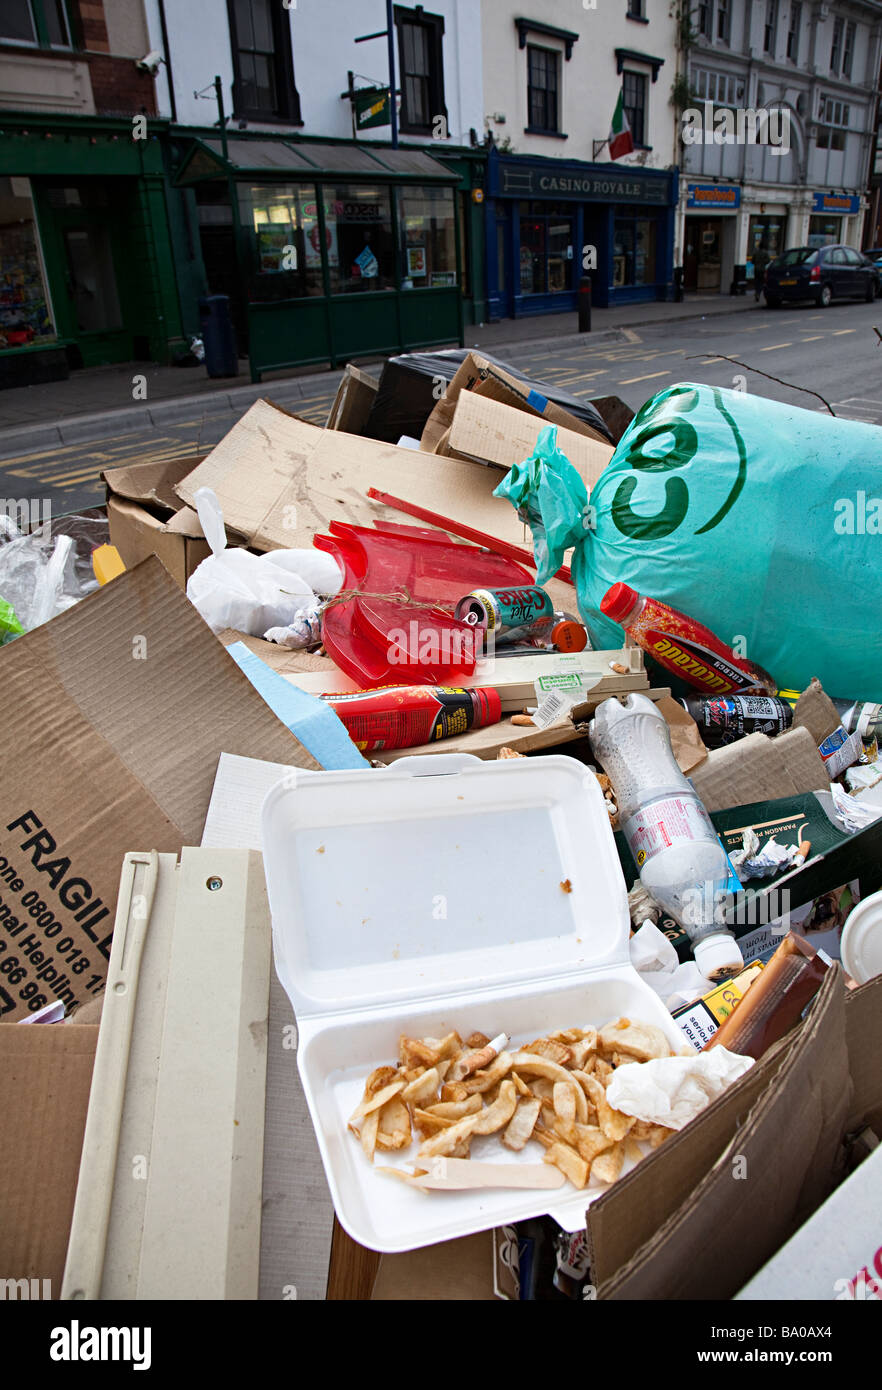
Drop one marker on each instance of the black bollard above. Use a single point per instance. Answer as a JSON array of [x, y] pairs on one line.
[[585, 304]]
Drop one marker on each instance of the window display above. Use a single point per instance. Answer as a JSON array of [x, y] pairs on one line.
[[25, 310], [359, 239], [634, 251], [287, 257], [428, 236]]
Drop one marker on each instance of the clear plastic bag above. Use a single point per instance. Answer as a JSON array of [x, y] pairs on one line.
[[48, 570]]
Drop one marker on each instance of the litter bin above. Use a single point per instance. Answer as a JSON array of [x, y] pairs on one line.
[[739, 280], [218, 336]]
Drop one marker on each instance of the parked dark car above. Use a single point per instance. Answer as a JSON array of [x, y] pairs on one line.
[[875, 255], [822, 273]]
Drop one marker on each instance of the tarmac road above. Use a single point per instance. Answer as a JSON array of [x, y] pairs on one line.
[[835, 352]]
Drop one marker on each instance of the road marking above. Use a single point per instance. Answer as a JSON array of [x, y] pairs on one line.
[[631, 336], [775, 347], [815, 337], [837, 332], [709, 360], [649, 376]]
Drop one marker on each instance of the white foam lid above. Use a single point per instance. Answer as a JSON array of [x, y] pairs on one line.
[[436, 874]]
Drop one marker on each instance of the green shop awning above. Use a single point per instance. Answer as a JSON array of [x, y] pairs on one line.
[[263, 158]]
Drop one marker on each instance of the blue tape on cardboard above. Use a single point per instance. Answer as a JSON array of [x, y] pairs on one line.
[[537, 401], [315, 723]]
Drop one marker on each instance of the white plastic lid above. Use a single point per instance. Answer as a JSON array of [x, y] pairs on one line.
[[861, 944], [718, 955]]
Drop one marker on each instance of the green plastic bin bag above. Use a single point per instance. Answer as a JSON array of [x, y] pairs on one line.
[[761, 520]]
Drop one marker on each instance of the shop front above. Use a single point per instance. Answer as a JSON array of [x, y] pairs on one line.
[[709, 237], [86, 266], [829, 221], [328, 251], [550, 221]]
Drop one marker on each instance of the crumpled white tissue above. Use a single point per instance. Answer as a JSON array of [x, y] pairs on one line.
[[656, 961], [673, 1090]]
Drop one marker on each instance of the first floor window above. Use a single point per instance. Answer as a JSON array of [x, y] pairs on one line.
[[634, 103], [542, 84]]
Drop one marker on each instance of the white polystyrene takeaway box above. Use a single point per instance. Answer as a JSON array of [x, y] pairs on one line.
[[430, 896]]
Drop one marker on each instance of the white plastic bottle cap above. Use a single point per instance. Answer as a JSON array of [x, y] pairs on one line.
[[861, 943], [718, 956]]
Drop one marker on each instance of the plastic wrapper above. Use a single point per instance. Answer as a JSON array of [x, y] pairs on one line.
[[739, 511], [48, 570]]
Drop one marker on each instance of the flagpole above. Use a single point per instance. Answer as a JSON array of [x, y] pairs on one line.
[[597, 146]]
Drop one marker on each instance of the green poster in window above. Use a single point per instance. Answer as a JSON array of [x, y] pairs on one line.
[[371, 107]]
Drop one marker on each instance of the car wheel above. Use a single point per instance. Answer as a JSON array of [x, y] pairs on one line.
[[871, 291], [772, 301], [825, 297]]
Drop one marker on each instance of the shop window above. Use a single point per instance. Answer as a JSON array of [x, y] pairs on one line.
[[39, 22], [358, 233], [543, 66], [770, 29], [824, 231], [635, 9], [428, 237], [421, 69], [25, 310], [634, 102], [793, 30], [263, 64], [286, 252], [634, 249]]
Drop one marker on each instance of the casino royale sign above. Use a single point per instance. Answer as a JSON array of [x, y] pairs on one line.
[[537, 181]]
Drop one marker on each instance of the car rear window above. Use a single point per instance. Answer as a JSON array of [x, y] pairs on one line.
[[799, 255]]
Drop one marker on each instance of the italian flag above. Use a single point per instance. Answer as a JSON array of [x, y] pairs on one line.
[[620, 142]]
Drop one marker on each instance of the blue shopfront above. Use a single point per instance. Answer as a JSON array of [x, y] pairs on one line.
[[549, 221]]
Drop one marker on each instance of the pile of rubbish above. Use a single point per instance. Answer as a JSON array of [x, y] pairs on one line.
[[530, 715]]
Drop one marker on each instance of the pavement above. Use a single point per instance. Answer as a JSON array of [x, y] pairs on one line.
[[101, 402]]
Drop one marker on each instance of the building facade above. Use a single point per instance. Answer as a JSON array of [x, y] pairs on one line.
[[795, 173], [87, 272], [557, 205]]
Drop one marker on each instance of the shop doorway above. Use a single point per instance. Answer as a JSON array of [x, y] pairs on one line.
[[703, 256], [84, 237], [547, 240]]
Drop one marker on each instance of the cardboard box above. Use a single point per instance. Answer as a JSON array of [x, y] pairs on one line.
[[759, 768], [45, 1075], [279, 481], [146, 516], [352, 403], [487, 379], [490, 432], [837, 1254], [117, 711]]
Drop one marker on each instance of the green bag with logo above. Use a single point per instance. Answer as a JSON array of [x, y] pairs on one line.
[[761, 520]]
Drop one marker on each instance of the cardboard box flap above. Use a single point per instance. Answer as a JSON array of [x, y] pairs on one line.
[[758, 768], [352, 404], [781, 1161], [863, 1035], [45, 1075], [621, 1222], [185, 522], [118, 711], [486, 430], [153, 482], [280, 481]]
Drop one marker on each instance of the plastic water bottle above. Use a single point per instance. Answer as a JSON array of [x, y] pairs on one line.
[[669, 832]]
